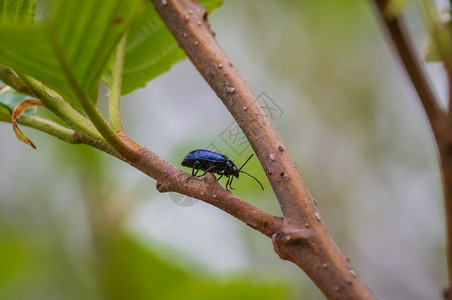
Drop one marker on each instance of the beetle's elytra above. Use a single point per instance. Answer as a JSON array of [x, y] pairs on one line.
[[213, 162]]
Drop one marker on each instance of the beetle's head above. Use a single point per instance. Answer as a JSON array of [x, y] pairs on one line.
[[235, 172]]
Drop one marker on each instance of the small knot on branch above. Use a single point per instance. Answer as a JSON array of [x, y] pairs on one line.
[[291, 237], [284, 242], [161, 186]]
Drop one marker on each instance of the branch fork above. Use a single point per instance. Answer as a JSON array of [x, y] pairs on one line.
[[300, 236]]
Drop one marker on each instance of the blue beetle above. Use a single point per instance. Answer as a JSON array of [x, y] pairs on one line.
[[213, 162]]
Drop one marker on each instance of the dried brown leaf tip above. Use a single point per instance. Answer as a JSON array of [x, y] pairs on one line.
[[18, 110]]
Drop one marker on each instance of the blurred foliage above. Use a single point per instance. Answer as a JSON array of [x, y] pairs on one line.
[[68, 36], [5, 114], [17, 12], [126, 270], [133, 272], [115, 264], [439, 43]]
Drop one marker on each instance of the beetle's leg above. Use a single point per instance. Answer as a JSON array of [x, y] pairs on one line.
[[195, 169], [207, 171], [230, 183], [227, 184], [221, 173]]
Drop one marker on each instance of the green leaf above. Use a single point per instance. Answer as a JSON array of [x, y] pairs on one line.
[[17, 11], [10, 98], [151, 49], [83, 33], [5, 114]]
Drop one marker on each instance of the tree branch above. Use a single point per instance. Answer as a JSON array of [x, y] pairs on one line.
[[445, 153], [171, 179], [303, 237], [440, 121], [395, 29]]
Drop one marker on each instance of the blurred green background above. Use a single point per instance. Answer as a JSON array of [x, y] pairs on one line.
[[76, 224]]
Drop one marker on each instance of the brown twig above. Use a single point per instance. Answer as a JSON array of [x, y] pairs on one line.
[[394, 27], [303, 237], [445, 153], [444, 141], [440, 123]]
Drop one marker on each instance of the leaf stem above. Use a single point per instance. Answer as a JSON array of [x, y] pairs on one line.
[[49, 127], [67, 135], [8, 76], [62, 109], [84, 130], [115, 89]]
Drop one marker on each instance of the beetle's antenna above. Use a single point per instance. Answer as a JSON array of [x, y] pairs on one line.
[[246, 161], [240, 170], [253, 177]]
